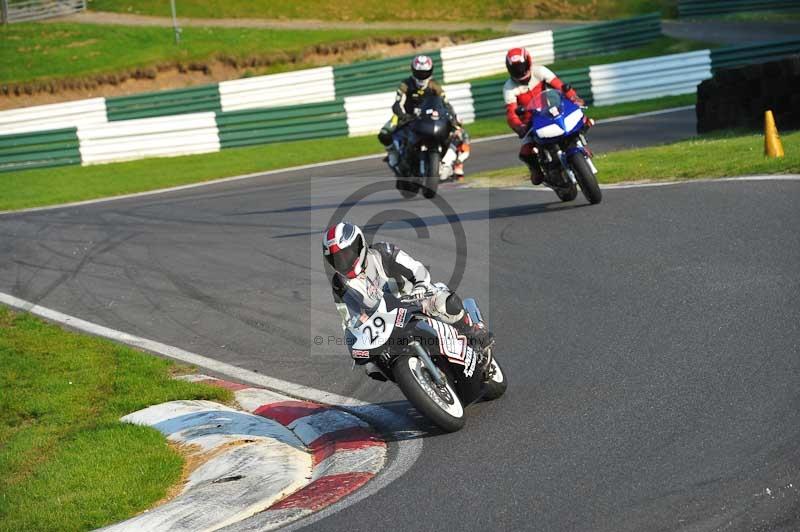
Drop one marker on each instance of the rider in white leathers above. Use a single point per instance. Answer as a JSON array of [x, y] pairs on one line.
[[363, 273]]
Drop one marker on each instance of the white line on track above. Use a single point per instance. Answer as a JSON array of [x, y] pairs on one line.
[[293, 169], [408, 446]]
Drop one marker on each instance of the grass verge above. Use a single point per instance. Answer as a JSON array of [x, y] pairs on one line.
[[67, 461], [34, 51], [377, 10], [702, 157], [52, 186], [374, 10]]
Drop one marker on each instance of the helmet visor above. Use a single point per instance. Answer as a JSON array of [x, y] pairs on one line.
[[344, 260], [422, 75], [518, 70]]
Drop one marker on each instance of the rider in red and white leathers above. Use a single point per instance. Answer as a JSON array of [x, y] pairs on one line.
[[525, 83], [362, 273]]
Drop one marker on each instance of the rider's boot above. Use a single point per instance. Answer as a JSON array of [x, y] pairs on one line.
[[393, 159], [458, 171]]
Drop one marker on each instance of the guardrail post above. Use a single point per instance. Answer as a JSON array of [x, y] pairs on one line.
[[4, 11], [175, 23]]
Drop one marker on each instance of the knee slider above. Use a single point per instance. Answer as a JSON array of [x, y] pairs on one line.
[[385, 137]]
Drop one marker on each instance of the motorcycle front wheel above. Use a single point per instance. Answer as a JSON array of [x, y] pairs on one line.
[[432, 174], [567, 194], [441, 405], [586, 178], [407, 189]]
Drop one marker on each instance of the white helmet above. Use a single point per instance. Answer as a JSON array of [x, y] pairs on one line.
[[345, 249], [422, 70]]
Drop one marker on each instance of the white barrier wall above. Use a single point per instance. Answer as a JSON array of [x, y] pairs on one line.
[[165, 136], [53, 116], [367, 114], [485, 58], [304, 86], [643, 79]]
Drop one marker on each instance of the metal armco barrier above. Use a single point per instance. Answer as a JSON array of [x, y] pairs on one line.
[[732, 56], [23, 151], [376, 76], [26, 10], [264, 126], [164, 136], [348, 100], [164, 103], [691, 8], [606, 36], [278, 90], [53, 116], [644, 79]]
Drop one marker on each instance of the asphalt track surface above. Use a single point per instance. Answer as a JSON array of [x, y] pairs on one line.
[[651, 341]]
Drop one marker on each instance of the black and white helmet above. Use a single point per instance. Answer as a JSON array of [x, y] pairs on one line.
[[345, 249], [422, 70]]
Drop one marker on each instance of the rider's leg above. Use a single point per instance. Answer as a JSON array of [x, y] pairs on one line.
[[527, 156], [462, 155], [387, 137], [449, 308]]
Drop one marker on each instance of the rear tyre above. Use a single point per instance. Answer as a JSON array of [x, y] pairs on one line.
[[586, 178], [569, 194], [497, 383], [432, 174], [440, 405]]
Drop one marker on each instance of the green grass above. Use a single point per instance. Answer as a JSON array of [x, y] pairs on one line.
[[372, 10], [51, 186], [68, 463], [32, 51], [790, 15], [703, 157]]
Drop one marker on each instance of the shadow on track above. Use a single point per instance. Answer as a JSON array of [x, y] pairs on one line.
[[484, 214], [306, 208]]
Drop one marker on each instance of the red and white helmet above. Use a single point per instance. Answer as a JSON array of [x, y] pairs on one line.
[[422, 70], [518, 64], [345, 249]]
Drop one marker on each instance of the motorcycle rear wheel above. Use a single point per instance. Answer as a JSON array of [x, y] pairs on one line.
[[586, 178], [432, 174], [440, 405]]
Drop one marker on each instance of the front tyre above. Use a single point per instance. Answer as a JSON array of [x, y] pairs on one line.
[[440, 405], [568, 194], [432, 174], [497, 383], [586, 178]]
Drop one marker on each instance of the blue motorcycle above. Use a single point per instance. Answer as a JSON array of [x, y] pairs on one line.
[[556, 128]]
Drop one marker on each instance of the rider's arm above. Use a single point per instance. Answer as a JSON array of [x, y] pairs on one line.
[[439, 91], [510, 99], [400, 265], [399, 106], [542, 73]]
